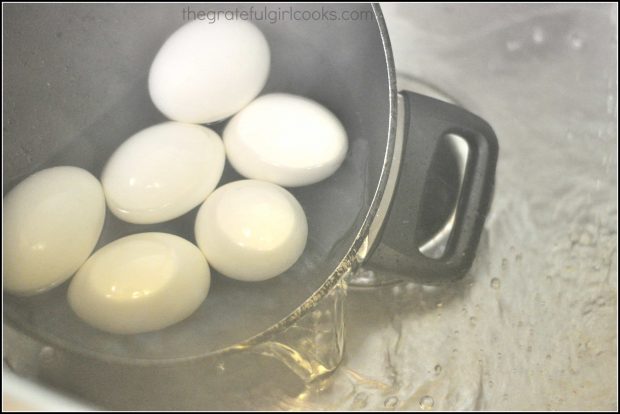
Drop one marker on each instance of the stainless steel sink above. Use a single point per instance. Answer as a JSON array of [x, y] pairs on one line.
[[534, 325]]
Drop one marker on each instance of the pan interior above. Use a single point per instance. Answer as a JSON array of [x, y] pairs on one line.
[[76, 87]]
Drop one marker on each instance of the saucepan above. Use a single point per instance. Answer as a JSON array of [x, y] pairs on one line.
[[76, 87]]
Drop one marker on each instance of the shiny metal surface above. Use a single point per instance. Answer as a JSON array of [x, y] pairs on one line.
[[534, 325]]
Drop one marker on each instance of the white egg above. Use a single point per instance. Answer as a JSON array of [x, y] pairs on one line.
[[251, 230], [285, 139], [52, 221], [162, 172], [140, 283], [206, 72]]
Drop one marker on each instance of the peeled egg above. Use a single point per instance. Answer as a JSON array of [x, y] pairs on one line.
[[162, 172], [206, 71], [251, 230], [285, 139], [52, 221], [140, 283]]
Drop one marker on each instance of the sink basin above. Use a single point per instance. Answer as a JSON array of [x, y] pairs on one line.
[[533, 325]]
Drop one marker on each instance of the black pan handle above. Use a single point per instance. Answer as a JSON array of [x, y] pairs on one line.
[[427, 121]]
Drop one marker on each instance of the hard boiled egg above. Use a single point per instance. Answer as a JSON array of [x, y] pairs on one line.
[[51, 223], [251, 230], [163, 172], [285, 139], [206, 71], [140, 283]]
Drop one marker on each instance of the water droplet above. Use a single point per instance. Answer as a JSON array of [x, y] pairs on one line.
[[513, 45], [391, 402], [473, 320], [495, 283], [439, 304], [576, 41], [220, 368], [47, 354], [437, 369], [538, 35], [427, 403], [397, 290]]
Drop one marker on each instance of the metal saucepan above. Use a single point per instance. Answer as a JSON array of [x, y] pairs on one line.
[[76, 87]]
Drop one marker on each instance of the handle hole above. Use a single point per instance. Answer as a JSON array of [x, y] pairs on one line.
[[441, 194]]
